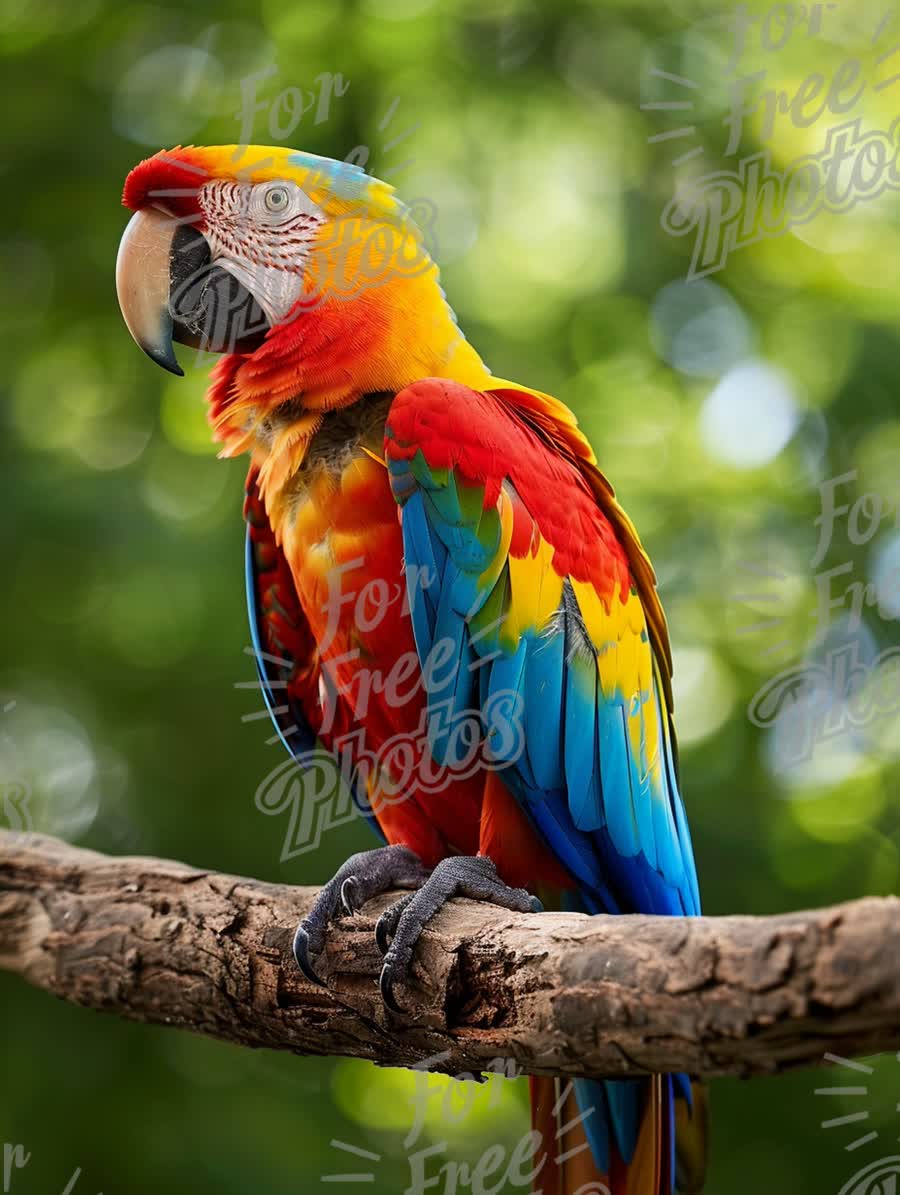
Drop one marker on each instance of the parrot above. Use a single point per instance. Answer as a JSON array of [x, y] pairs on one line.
[[445, 595]]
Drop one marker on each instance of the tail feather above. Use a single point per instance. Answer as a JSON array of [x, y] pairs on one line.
[[564, 1161], [691, 1136], [611, 1138]]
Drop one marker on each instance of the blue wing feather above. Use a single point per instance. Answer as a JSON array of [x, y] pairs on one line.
[[544, 674]]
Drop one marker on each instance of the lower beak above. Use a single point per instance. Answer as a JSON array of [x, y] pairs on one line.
[[169, 290]]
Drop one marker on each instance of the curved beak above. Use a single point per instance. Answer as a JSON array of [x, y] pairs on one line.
[[142, 284], [170, 290]]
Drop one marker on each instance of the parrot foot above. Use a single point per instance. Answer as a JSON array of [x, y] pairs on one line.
[[363, 876], [460, 875]]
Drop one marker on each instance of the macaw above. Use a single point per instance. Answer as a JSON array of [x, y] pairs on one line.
[[443, 590]]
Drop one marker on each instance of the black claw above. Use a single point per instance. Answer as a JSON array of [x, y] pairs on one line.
[[386, 986], [382, 934], [301, 955]]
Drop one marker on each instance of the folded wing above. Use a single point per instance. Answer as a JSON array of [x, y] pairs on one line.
[[535, 604]]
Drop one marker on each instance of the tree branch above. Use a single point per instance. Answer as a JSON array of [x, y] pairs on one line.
[[555, 993]]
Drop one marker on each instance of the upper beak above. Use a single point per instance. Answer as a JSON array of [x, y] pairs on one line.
[[142, 284], [170, 289]]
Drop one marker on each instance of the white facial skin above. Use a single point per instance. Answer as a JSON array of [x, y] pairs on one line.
[[261, 233]]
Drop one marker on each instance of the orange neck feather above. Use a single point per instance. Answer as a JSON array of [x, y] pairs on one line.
[[338, 344]]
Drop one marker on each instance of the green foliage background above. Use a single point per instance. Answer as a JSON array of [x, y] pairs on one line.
[[124, 624]]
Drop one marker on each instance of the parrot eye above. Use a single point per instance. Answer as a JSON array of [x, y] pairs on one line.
[[277, 200]]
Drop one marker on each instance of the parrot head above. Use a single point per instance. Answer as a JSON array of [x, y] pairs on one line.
[[229, 246], [311, 279]]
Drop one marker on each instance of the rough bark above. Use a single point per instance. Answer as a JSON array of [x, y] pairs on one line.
[[554, 993]]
